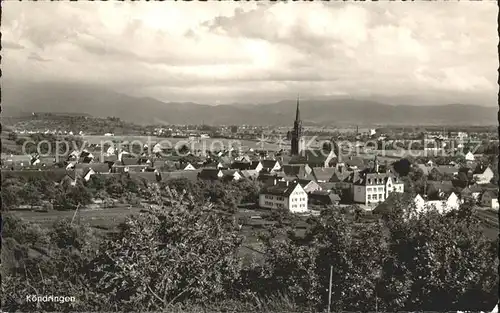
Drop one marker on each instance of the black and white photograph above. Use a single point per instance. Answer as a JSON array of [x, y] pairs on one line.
[[249, 156]]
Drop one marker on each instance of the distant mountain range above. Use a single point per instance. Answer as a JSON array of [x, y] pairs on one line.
[[51, 97]]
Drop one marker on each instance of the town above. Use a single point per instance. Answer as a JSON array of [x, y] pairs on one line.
[[101, 179], [249, 156], [447, 168]]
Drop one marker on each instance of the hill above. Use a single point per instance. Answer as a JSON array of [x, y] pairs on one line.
[[84, 99]]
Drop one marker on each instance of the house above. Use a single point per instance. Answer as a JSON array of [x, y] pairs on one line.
[[483, 175], [69, 179], [110, 159], [308, 185], [71, 165], [128, 168], [452, 202], [148, 177], [344, 177], [476, 191], [469, 157], [189, 175], [314, 158], [424, 169], [214, 165], [129, 161], [243, 158], [449, 171], [210, 174], [88, 173], [328, 186], [373, 188], [439, 189], [144, 160], [323, 197], [354, 163], [472, 192], [393, 202], [231, 175], [157, 148], [97, 168], [47, 161], [269, 179], [110, 150], [324, 174], [86, 157], [188, 167], [489, 199], [74, 155], [297, 170], [256, 166], [284, 195], [249, 174], [270, 166], [35, 160]]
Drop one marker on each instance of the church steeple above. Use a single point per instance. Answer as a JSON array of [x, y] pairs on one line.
[[297, 130], [297, 113]]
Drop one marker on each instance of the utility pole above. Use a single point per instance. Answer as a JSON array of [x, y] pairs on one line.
[[74, 215], [330, 289]]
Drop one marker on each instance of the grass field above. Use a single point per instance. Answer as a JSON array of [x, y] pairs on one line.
[[102, 219], [106, 220]]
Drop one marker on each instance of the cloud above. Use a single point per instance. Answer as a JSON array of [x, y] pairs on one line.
[[12, 45], [256, 50], [36, 57]]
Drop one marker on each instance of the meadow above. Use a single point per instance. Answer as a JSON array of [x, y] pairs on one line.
[[107, 219]]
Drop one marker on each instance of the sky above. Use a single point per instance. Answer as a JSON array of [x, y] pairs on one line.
[[226, 52]]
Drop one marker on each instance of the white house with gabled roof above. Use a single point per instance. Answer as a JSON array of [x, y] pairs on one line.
[[470, 157], [284, 195], [442, 206]]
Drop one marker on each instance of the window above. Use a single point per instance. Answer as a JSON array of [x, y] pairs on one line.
[[369, 197], [368, 189]]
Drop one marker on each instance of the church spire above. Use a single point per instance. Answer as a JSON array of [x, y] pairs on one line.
[[297, 131], [297, 113]]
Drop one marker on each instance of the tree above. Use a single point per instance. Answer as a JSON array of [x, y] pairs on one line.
[[29, 195], [97, 182], [438, 263], [183, 149], [10, 198], [72, 197], [167, 256], [402, 167], [462, 180], [12, 136]]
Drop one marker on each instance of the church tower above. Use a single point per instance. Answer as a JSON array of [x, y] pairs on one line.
[[297, 131]]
